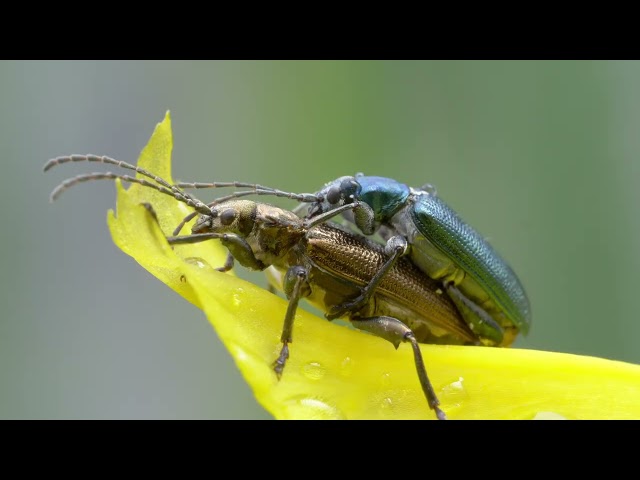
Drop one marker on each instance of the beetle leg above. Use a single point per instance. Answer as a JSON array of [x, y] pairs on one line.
[[326, 216], [395, 248], [479, 321], [394, 331], [228, 264], [149, 208], [238, 248], [364, 217], [193, 238], [296, 285]]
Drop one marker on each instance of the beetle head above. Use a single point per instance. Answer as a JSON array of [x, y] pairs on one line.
[[342, 191], [233, 216]]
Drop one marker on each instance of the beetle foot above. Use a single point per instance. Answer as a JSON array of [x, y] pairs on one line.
[[439, 413], [278, 365], [343, 309]]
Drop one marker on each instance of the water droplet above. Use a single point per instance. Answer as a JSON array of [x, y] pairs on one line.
[[236, 298], [346, 367], [198, 262], [239, 353], [313, 371], [385, 379], [548, 416], [311, 408], [454, 392], [387, 405]]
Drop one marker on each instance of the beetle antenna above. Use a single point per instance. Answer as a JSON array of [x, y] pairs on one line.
[[165, 187], [255, 189], [119, 163], [172, 192]]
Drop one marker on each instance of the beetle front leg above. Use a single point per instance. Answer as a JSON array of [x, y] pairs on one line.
[[363, 216], [240, 249], [395, 331], [295, 286], [395, 248]]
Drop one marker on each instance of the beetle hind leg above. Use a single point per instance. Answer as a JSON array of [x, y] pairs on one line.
[[396, 332], [479, 321]]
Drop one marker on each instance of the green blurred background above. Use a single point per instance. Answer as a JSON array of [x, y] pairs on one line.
[[540, 157]]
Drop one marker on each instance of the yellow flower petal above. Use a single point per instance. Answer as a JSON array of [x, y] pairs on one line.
[[337, 372]]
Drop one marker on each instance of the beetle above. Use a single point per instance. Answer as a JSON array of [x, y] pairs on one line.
[[487, 291], [418, 223]]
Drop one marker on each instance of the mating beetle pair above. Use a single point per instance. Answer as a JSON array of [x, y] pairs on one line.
[[372, 210], [416, 222]]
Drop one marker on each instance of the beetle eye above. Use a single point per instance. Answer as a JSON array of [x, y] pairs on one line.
[[334, 195], [349, 188], [228, 216]]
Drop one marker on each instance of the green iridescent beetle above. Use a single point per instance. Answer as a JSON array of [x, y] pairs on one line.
[[416, 222]]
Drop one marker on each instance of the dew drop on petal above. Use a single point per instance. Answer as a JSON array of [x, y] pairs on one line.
[[239, 353], [198, 262], [312, 408], [313, 371], [346, 367], [236, 298], [454, 393], [387, 407], [548, 416], [455, 388]]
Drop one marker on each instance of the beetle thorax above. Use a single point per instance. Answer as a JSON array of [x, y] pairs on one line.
[[275, 233]]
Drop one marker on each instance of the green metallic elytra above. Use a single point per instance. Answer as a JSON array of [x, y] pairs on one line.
[[466, 247]]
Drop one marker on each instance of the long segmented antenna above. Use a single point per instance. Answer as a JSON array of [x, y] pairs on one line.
[[119, 163], [255, 189], [184, 221], [88, 177], [167, 188]]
